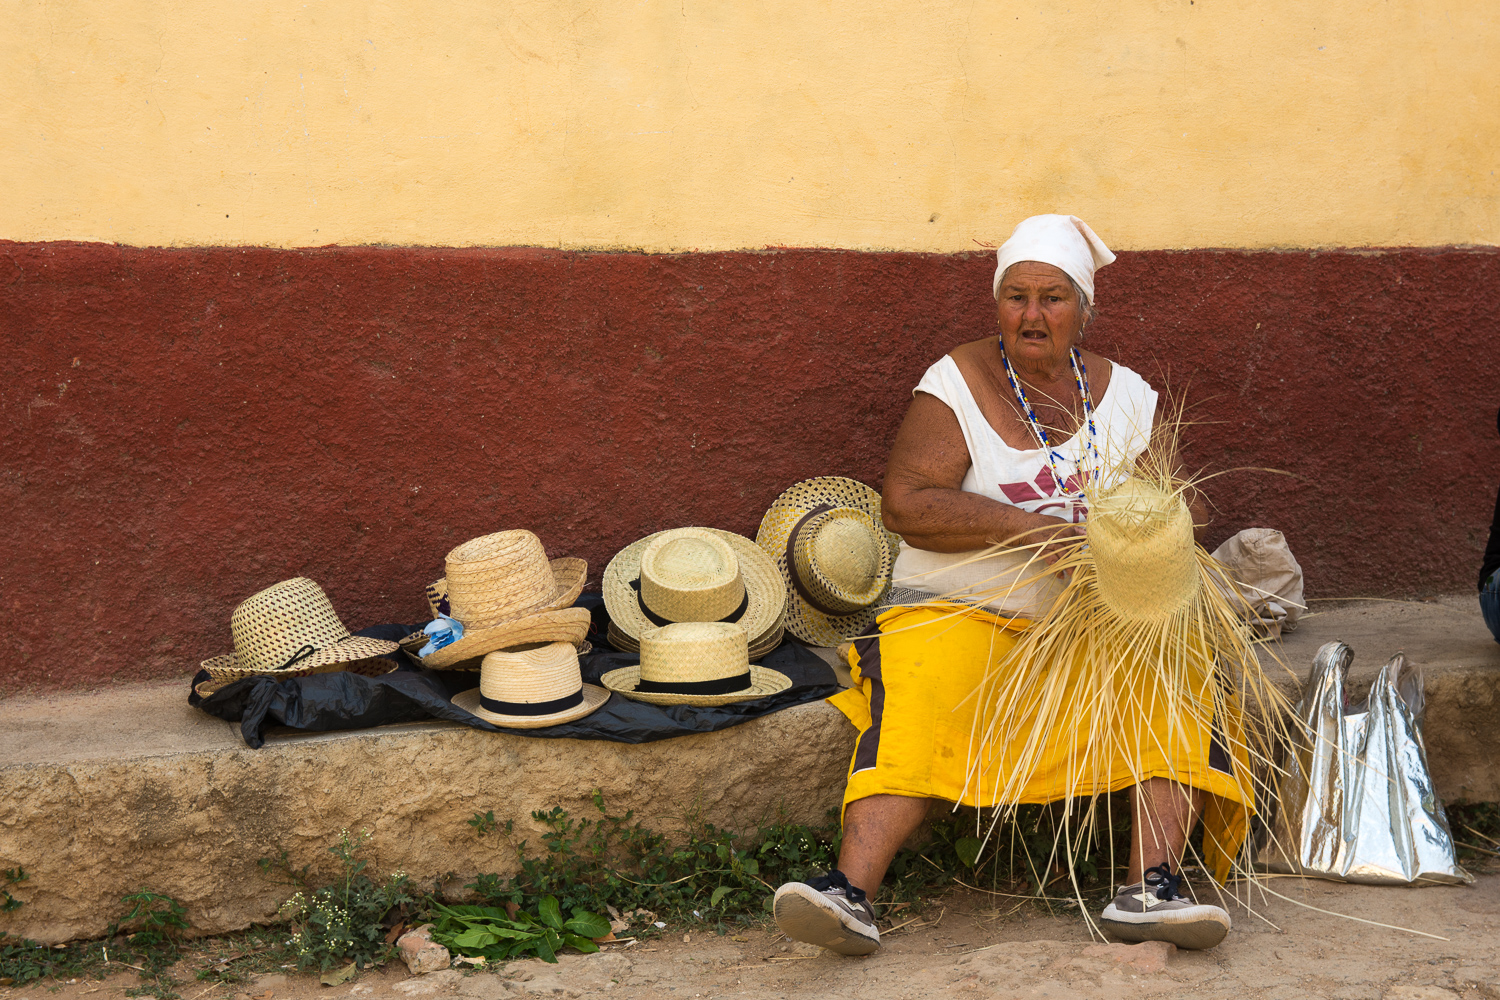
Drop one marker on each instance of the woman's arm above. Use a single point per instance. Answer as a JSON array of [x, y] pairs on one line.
[[922, 501]]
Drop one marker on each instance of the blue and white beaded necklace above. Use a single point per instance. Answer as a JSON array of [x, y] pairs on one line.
[[1081, 378]]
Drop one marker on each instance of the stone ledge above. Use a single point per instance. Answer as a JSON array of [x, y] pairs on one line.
[[126, 787], [192, 821]]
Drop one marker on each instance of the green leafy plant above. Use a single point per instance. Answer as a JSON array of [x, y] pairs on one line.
[[498, 934], [483, 823], [11, 877], [342, 923]]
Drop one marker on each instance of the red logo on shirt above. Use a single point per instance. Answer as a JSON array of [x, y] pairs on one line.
[[1044, 487]]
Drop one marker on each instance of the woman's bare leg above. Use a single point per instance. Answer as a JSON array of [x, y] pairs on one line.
[[1162, 814], [874, 830]]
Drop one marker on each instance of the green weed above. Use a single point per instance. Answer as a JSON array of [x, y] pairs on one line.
[[343, 922], [11, 877], [483, 823]]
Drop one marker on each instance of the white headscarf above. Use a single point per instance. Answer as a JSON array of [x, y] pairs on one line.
[[1064, 241]]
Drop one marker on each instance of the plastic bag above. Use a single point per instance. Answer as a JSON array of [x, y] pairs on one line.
[[1358, 805]]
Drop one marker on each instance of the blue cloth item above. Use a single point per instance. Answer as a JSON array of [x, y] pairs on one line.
[[441, 631], [1489, 604]]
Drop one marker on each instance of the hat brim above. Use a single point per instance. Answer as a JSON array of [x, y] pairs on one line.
[[802, 619], [357, 654], [763, 683], [594, 696], [764, 588], [560, 625]]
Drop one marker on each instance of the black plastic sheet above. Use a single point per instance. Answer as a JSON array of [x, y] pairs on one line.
[[343, 701]]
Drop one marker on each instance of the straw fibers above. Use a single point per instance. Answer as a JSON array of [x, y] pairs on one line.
[[1145, 620]]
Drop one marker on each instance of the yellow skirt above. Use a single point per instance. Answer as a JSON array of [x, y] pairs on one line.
[[920, 697]]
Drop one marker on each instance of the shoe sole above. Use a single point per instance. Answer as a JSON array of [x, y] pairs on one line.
[[817, 922], [1195, 933]]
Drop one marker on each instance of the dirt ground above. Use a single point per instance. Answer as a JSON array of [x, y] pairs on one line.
[[972, 944]]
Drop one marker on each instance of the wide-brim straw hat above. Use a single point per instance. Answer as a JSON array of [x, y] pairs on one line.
[[834, 556], [1141, 540], [695, 663], [693, 574], [530, 687], [290, 630], [505, 592]]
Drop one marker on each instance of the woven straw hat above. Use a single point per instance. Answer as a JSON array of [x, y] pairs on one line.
[[766, 643], [505, 592], [695, 663], [834, 555], [1141, 538], [290, 630], [693, 574], [534, 685]]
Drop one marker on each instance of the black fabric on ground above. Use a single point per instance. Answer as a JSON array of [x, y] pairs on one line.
[[341, 701], [1492, 550]]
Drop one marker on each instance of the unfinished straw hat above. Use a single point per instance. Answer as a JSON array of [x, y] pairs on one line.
[[693, 575], [531, 686], [834, 555], [1141, 540], [505, 592], [290, 630], [695, 663]]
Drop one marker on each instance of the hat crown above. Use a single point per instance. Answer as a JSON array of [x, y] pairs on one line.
[[842, 559], [498, 577], [694, 651], [691, 575], [276, 624], [1141, 538], [531, 674]]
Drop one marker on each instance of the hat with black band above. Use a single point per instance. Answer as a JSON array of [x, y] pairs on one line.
[[531, 686], [695, 663]]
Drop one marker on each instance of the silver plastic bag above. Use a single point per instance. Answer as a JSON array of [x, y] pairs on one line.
[[1358, 804]]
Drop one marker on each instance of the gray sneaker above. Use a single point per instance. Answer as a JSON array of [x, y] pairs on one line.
[[828, 912], [1159, 909]]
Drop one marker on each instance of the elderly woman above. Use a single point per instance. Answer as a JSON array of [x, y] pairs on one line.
[[992, 450]]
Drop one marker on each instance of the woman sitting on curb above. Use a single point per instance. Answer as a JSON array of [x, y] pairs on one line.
[[993, 447]]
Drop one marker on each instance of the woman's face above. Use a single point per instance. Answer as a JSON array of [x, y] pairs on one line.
[[1041, 316]]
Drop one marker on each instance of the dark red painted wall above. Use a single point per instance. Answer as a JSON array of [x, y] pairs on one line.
[[180, 428]]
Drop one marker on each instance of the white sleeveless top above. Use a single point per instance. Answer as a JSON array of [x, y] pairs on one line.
[[1023, 479]]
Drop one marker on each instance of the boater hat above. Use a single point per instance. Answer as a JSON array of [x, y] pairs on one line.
[[290, 630], [834, 555], [766, 643], [531, 686], [504, 592], [695, 663], [693, 575]]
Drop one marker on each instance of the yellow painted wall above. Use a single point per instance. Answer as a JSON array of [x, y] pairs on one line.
[[679, 124]]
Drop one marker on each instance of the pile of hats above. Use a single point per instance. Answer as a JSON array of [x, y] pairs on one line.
[[699, 605]]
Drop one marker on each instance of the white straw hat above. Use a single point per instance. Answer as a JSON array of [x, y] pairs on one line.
[[531, 686], [505, 592], [695, 663], [290, 630], [834, 555], [693, 574]]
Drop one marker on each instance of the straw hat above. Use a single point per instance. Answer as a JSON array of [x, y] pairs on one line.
[[765, 644], [1141, 539], [531, 686], [695, 663], [693, 575], [290, 630], [505, 592], [834, 555]]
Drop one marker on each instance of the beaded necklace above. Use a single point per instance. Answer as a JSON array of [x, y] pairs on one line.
[[1081, 378]]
